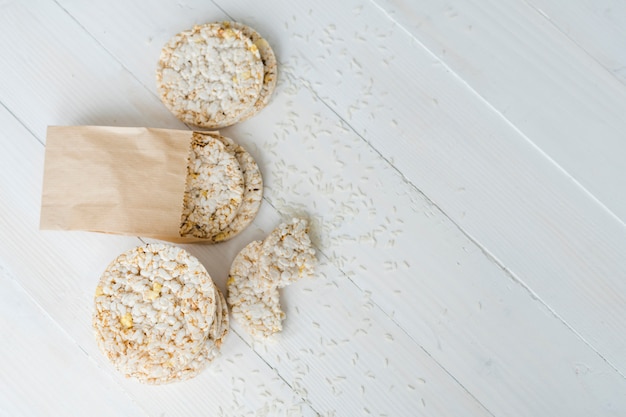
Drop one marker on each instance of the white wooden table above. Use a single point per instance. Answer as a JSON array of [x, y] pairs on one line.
[[463, 162]]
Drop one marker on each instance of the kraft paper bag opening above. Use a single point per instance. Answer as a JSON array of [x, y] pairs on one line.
[[128, 181]]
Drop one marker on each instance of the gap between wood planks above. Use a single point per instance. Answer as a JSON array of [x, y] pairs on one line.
[[21, 123], [408, 182]]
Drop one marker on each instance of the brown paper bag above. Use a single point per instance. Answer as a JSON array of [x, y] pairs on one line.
[[128, 181]]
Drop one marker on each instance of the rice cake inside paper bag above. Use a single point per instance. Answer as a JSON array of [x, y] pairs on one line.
[[173, 185], [252, 193], [214, 190]]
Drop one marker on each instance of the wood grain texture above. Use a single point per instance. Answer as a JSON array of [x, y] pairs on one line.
[[33, 343], [42, 87], [455, 259], [595, 26]]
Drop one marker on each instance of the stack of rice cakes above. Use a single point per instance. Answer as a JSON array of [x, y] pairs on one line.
[[158, 315], [224, 189], [216, 74]]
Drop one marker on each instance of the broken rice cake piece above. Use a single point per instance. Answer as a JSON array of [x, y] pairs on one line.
[[261, 268]]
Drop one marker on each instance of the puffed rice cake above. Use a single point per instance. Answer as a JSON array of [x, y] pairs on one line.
[[211, 349], [260, 269], [287, 253], [270, 67], [156, 310], [210, 76], [252, 193], [254, 301], [223, 192], [214, 188]]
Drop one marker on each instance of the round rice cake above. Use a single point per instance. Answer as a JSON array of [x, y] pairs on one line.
[[210, 76], [287, 253], [254, 300], [154, 308], [214, 190], [252, 193], [270, 67]]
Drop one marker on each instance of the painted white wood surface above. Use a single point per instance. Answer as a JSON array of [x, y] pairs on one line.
[[32, 341], [596, 26], [536, 77], [463, 272]]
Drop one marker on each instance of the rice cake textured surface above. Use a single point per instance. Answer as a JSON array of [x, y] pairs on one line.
[[287, 254], [254, 301], [270, 67], [261, 268], [214, 189], [154, 308], [252, 193], [210, 76], [211, 348]]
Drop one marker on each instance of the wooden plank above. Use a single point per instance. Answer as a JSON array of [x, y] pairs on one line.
[[43, 371], [536, 78], [598, 27], [437, 299]]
